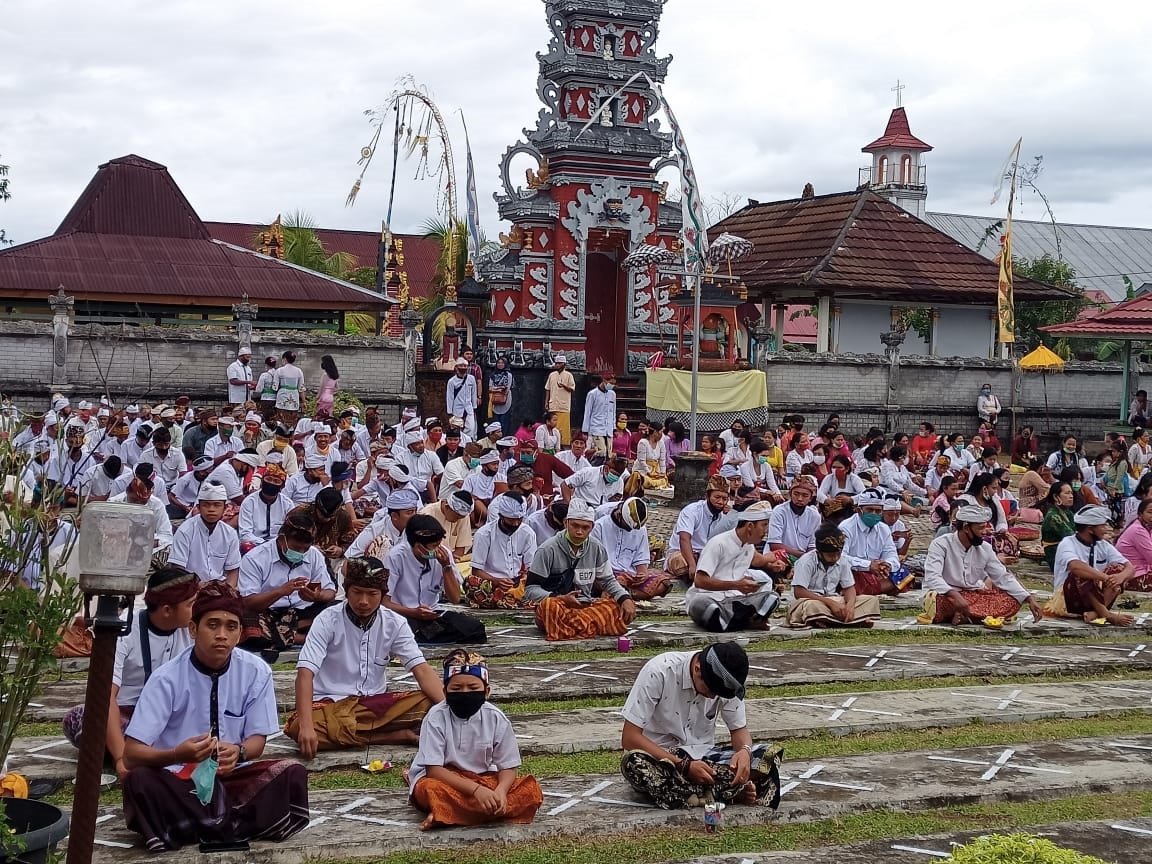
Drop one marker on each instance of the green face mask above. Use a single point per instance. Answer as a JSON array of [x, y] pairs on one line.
[[611, 478], [871, 520], [472, 463]]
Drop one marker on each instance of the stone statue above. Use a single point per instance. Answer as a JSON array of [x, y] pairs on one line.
[[61, 317]]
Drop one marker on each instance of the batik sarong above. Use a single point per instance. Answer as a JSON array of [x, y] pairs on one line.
[[982, 603], [653, 584], [73, 722], [482, 593], [559, 621], [447, 806], [358, 721], [869, 584], [813, 613], [661, 781], [265, 800]]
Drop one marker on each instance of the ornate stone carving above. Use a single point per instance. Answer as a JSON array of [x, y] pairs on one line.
[[62, 306], [245, 313]]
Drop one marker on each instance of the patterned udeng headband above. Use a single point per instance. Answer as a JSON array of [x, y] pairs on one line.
[[462, 662]]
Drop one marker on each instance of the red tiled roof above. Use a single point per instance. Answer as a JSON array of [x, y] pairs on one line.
[[898, 135], [859, 245], [132, 236], [1127, 319], [420, 253]]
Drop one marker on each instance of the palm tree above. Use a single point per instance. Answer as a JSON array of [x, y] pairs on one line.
[[303, 247]]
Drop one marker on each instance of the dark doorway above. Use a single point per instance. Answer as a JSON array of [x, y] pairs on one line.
[[606, 305]]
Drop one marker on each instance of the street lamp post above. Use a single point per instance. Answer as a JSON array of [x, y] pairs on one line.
[[115, 550]]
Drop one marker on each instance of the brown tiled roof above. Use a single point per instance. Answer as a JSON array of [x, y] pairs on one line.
[[1129, 319], [859, 245], [897, 135], [420, 253], [132, 236]]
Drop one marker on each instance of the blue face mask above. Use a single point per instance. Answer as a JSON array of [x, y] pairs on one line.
[[611, 478], [609, 387], [204, 779], [293, 557]]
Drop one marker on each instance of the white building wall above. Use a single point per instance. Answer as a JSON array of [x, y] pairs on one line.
[[963, 332], [960, 331]]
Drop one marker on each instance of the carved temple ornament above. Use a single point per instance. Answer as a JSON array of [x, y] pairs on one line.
[[537, 179], [61, 304]]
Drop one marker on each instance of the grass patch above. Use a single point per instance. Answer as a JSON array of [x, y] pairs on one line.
[[552, 706], [34, 730], [681, 843]]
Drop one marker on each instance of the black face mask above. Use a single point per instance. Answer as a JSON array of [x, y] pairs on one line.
[[505, 528], [271, 490], [465, 704], [715, 511], [975, 539], [797, 509]]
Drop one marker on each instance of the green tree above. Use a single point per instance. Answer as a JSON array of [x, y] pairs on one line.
[[4, 196], [302, 247], [1031, 316]]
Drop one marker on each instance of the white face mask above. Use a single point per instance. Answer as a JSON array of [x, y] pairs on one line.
[[818, 460]]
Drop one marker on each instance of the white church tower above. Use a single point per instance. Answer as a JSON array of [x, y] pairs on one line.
[[897, 172]]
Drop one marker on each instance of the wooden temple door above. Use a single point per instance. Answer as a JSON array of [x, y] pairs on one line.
[[606, 305]]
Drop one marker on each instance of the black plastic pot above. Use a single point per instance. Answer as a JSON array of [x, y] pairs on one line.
[[40, 826]]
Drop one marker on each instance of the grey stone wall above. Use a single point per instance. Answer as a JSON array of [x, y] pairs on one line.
[[149, 363], [1084, 399]]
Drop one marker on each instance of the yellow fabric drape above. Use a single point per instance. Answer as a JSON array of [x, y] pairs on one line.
[[718, 392]]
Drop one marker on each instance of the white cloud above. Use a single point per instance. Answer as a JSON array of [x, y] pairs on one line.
[[256, 108]]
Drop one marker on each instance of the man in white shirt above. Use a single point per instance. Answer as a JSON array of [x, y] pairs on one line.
[[456, 470], [167, 459], [454, 515], [69, 466], [140, 491], [285, 584], [225, 441], [698, 523], [958, 570], [281, 444], [241, 381], [210, 701], [231, 473], [824, 589], [303, 488], [422, 464], [159, 632], [596, 485], [732, 435], [1088, 575], [342, 697], [262, 512], [97, 485], [727, 593], [461, 397], [600, 414], [869, 549], [549, 522], [502, 551], [669, 737], [792, 528], [622, 533], [481, 483], [204, 543], [182, 496], [34, 431], [387, 528]]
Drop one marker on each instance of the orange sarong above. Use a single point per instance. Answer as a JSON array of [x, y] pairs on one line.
[[357, 721], [450, 807], [560, 621]]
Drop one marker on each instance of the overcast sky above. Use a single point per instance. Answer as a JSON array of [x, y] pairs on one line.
[[257, 108]]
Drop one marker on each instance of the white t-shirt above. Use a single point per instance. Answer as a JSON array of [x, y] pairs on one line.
[[500, 555], [409, 584], [262, 569], [588, 484], [810, 573], [725, 557], [208, 555], [238, 394], [484, 742], [348, 660], [128, 674], [626, 550], [1097, 556]]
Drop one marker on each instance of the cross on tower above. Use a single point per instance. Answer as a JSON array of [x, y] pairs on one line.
[[899, 91]]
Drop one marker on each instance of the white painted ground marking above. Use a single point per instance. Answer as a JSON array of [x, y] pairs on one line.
[[112, 844], [48, 746], [280, 745], [1142, 619], [1004, 760], [807, 777], [1126, 650], [1003, 703], [920, 851], [839, 711], [1015, 653], [764, 668], [591, 794], [1131, 829], [511, 634], [344, 811], [1144, 693], [653, 627], [560, 673], [875, 658], [1129, 746]]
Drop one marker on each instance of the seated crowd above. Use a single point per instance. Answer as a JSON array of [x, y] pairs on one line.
[[359, 544]]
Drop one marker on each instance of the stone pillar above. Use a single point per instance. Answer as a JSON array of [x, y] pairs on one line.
[[409, 319], [823, 323], [892, 340], [781, 312], [61, 318], [691, 479], [245, 314]]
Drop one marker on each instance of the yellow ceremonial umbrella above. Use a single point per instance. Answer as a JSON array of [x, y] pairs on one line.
[[1043, 360]]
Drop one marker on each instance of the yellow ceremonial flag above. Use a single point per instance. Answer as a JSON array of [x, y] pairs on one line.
[[1005, 302]]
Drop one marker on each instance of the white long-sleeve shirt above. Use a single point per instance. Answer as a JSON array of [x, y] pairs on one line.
[[951, 567], [460, 396], [599, 412], [646, 452], [898, 480], [863, 545]]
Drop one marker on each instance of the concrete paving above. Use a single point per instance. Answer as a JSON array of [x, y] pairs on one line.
[[1126, 841], [592, 729], [373, 823]]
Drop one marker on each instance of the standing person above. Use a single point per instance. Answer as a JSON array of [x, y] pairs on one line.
[[1138, 410], [558, 390], [329, 381], [240, 380], [266, 390], [210, 701], [461, 397], [987, 405], [290, 391], [500, 384], [474, 369], [465, 772], [600, 414]]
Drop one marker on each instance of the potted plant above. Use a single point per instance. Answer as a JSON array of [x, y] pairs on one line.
[[37, 601]]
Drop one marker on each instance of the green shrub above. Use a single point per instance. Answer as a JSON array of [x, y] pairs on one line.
[[1017, 849]]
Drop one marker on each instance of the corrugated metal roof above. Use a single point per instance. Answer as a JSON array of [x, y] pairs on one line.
[[1100, 255], [857, 244], [132, 235], [898, 134]]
